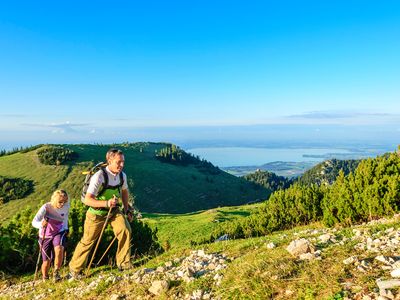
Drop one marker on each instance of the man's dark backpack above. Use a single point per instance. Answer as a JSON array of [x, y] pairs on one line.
[[100, 166]]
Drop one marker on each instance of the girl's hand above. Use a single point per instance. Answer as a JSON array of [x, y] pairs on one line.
[[44, 223]]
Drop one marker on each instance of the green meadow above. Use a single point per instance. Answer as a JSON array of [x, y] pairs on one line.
[[156, 186]]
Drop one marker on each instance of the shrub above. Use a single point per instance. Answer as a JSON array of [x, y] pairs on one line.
[[268, 180], [370, 192], [285, 209], [327, 171], [14, 188], [373, 191], [55, 155]]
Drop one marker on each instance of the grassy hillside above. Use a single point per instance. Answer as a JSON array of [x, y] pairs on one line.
[[180, 230], [157, 186], [254, 269], [345, 262]]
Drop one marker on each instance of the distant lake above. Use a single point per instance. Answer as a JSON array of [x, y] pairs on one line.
[[242, 156]]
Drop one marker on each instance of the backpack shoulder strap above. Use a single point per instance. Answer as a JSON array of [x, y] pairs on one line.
[[105, 175], [121, 179]]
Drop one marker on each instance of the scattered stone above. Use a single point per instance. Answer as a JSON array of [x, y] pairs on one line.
[[197, 295], [388, 284], [307, 256], [169, 264], [327, 237], [301, 246], [116, 297], [350, 260], [271, 245], [361, 268], [158, 287], [395, 273], [288, 292], [383, 259]]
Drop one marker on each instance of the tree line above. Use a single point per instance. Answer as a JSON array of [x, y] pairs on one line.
[[268, 180], [19, 149], [327, 171], [174, 155], [371, 191]]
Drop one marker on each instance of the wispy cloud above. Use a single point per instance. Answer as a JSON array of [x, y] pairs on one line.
[[13, 116], [348, 117], [66, 127], [337, 115]]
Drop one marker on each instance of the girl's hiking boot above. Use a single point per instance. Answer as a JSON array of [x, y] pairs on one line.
[[56, 275]]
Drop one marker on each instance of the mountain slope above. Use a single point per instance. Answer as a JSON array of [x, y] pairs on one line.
[[157, 186], [327, 171], [342, 264], [268, 180]]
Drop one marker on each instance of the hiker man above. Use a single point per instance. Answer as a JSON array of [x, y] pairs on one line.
[[101, 196], [52, 222]]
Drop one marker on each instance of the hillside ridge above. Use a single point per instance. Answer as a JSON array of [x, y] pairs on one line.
[[157, 186]]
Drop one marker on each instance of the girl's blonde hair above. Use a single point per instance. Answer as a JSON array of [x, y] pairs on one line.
[[57, 195]]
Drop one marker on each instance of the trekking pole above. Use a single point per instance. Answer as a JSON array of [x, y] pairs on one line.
[[40, 252], [65, 258], [98, 241], [105, 252], [109, 246]]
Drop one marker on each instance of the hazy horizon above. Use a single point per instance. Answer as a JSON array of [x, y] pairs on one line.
[[264, 136]]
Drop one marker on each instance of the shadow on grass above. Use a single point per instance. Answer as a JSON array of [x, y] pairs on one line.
[[234, 213]]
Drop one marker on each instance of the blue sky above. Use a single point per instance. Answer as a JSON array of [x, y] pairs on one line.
[[160, 70]]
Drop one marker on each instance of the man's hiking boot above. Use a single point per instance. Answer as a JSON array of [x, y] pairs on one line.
[[74, 276], [56, 275], [125, 267]]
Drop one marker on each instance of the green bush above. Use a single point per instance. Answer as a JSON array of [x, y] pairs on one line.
[[327, 171], [14, 188], [294, 206], [19, 246], [268, 180], [55, 155], [373, 191]]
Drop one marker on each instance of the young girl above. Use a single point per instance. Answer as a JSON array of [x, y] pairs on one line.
[[52, 222]]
